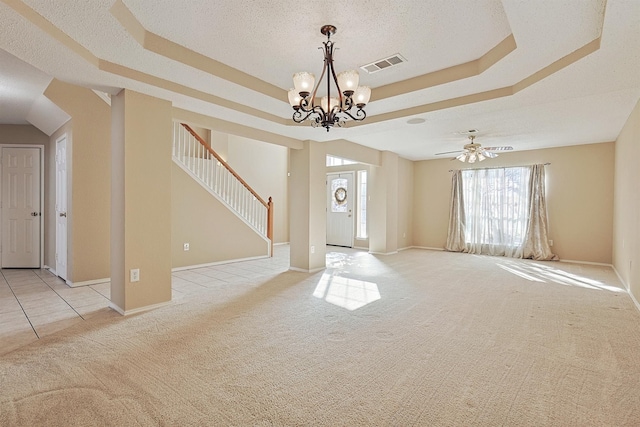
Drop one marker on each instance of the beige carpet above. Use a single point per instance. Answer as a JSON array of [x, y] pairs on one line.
[[452, 340]]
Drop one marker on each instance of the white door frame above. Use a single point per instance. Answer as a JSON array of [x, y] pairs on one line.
[[55, 213], [42, 206]]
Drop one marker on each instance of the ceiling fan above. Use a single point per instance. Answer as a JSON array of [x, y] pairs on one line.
[[473, 151]]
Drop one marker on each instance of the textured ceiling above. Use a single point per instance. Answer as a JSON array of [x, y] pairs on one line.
[[529, 74]]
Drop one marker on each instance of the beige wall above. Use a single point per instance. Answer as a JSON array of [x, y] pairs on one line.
[[27, 134], [579, 198], [626, 240], [220, 144], [383, 209], [308, 207], [213, 232], [405, 203], [141, 194], [264, 167], [89, 194]]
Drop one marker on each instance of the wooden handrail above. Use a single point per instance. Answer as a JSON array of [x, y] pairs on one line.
[[268, 205], [225, 164]]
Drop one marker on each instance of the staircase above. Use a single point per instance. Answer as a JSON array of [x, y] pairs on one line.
[[195, 157]]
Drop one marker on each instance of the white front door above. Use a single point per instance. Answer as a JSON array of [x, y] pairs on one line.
[[340, 208], [61, 207], [21, 214]]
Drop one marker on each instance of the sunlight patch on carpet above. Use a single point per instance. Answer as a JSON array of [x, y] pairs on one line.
[[345, 292], [536, 272]]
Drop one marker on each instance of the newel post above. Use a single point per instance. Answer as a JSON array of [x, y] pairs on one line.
[[270, 223]]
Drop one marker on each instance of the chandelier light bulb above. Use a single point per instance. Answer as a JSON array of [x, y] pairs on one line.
[[334, 102], [348, 81], [362, 95], [294, 98], [303, 81]]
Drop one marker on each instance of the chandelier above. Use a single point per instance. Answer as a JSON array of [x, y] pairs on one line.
[[331, 110]]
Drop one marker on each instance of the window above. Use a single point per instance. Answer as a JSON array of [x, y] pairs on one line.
[[337, 161], [361, 215], [496, 206], [339, 195], [500, 211]]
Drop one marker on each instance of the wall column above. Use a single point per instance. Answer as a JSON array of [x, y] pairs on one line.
[[383, 205], [141, 132], [307, 207], [88, 180]]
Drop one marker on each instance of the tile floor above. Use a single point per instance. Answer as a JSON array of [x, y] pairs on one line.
[[35, 303]]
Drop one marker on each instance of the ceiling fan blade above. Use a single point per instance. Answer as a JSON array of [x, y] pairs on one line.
[[504, 148], [448, 152]]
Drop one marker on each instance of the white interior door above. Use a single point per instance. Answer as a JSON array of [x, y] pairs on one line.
[[61, 207], [340, 208], [21, 214]]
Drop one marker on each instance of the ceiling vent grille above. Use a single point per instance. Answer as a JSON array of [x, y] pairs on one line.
[[381, 64]]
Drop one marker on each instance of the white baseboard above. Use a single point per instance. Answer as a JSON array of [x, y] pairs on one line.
[[405, 248], [211, 264], [137, 310], [301, 270], [49, 269], [627, 288], [362, 248], [88, 282], [428, 248], [635, 301], [383, 253], [571, 261], [281, 244]]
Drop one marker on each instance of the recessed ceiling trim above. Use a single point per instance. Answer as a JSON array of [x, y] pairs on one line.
[[539, 75], [53, 31], [448, 75], [439, 77], [132, 74], [164, 47], [234, 128]]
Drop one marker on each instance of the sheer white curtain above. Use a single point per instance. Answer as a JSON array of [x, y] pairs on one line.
[[499, 211]]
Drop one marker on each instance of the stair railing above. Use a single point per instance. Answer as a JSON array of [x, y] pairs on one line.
[[194, 154]]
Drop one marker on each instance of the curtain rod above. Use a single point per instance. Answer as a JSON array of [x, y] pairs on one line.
[[497, 167]]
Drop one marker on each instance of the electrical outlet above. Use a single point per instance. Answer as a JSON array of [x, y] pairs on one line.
[[134, 275], [313, 249], [186, 246]]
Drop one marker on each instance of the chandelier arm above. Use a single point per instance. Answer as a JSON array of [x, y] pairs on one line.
[[360, 114], [324, 70], [348, 103], [335, 80], [297, 116]]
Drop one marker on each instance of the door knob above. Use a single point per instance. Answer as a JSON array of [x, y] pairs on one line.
[[64, 214], [34, 213]]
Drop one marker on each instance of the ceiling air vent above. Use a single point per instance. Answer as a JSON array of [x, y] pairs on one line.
[[381, 64]]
